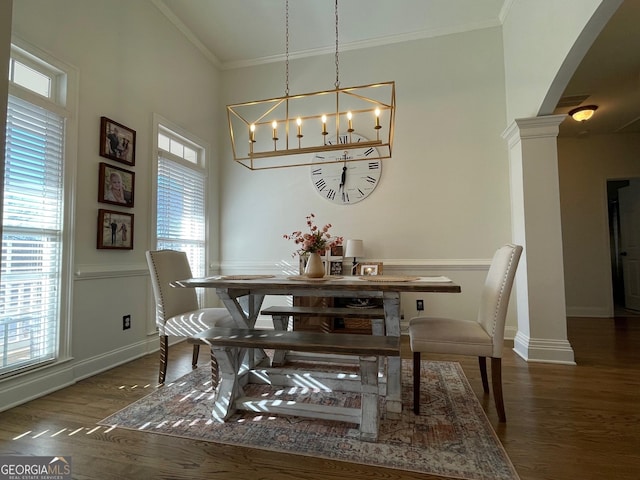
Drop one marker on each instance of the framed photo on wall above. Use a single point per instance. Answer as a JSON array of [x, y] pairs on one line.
[[116, 185], [371, 268], [117, 142], [115, 230]]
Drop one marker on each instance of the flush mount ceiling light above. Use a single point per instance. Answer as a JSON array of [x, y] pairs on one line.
[[287, 131], [584, 113]]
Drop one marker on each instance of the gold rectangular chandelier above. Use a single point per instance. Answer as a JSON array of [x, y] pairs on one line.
[[288, 131], [295, 130]]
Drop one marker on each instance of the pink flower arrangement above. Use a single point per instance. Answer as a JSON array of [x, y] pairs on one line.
[[318, 240]]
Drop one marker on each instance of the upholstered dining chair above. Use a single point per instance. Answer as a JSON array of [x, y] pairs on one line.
[[177, 310], [482, 337]]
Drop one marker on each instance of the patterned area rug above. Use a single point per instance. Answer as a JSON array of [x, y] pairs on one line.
[[451, 438]]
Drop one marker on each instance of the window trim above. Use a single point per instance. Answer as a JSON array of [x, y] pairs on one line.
[[204, 149], [67, 108]]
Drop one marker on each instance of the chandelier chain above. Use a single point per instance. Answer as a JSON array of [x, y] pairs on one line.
[[337, 61], [286, 90]]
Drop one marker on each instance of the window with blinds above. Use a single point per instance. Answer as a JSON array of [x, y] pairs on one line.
[[31, 236], [181, 194]]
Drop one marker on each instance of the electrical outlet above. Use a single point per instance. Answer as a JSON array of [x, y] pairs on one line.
[[419, 305], [126, 322]]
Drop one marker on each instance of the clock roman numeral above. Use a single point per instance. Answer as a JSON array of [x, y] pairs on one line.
[[345, 197], [374, 165], [316, 171], [370, 179], [331, 194], [368, 152], [343, 139], [321, 184]]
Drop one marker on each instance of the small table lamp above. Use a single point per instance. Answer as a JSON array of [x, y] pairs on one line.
[[354, 249]]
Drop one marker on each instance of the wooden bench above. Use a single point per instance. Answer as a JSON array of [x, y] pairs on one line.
[[229, 396], [281, 314], [328, 312]]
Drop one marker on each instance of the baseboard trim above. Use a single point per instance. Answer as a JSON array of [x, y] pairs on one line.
[[109, 360], [33, 385], [543, 350]]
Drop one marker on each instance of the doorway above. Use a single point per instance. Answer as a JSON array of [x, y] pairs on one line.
[[623, 202]]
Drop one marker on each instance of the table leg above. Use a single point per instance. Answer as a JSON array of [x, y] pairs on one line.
[[229, 388], [279, 323], [391, 304], [244, 311], [370, 415]]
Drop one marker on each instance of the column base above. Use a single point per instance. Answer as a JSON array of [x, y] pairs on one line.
[[543, 350]]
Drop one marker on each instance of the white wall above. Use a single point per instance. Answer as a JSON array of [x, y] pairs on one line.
[[442, 198], [132, 63], [543, 43], [585, 165]]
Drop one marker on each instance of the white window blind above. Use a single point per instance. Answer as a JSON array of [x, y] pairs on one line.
[[180, 207], [31, 237]]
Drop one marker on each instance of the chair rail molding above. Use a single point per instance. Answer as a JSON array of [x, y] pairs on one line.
[[409, 266], [94, 271]]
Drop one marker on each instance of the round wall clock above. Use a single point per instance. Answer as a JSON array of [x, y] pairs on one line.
[[348, 181]]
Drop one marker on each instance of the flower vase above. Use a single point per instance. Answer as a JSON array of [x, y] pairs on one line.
[[314, 267]]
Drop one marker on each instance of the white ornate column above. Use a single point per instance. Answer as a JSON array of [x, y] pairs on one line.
[[536, 225]]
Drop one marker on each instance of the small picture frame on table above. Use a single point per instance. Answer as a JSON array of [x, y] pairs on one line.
[[116, 185], [117, 142], [115, 230], [370, 268], [335, 268]]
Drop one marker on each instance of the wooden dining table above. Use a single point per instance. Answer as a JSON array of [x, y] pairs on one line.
[[243, 296]]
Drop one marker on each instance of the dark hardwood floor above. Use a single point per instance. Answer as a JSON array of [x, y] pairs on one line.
[[563, 422]]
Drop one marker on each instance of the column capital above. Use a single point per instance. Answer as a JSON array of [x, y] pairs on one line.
[[535, 127]]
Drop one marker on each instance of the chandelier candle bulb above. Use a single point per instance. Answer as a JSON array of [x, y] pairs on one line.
[[275, 130], [252, 133], [378, 119], [350, 117], [324, 129], [299, 122]]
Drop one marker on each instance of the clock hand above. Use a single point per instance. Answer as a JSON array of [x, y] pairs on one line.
[[343, 178]]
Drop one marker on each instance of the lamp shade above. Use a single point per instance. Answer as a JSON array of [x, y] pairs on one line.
[[355, 248], [584, 113]]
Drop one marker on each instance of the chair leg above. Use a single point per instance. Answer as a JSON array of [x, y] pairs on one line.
[[164, 353], [496, 380], [482, 361], [196, 352], [416, 383]]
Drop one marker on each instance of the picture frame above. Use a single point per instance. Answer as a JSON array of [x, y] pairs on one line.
[[369, 268], [335, 268], [116, 185], [115, 230], [117, 142]]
